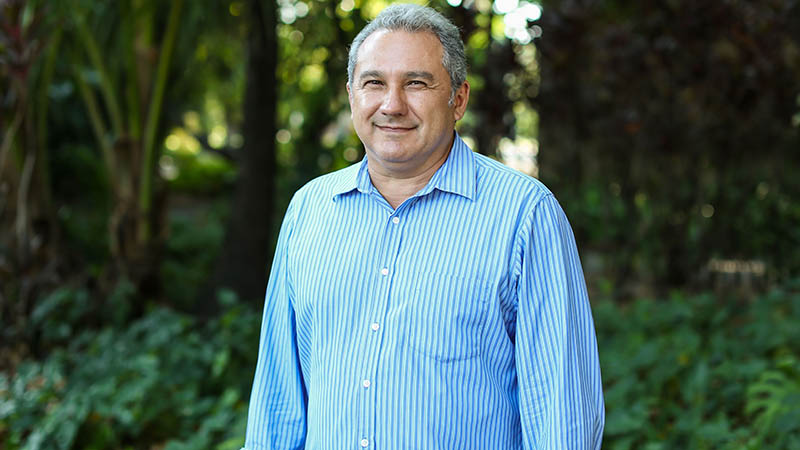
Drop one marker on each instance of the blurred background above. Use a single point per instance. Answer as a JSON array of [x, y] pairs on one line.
[[148, 150]]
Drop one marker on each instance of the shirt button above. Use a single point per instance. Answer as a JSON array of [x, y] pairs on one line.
[[395, 219], [364, 443], [365, 383], [375, 326], [384, 271]]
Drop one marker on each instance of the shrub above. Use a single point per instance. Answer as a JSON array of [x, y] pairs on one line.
[[165, 379], [699, 372]]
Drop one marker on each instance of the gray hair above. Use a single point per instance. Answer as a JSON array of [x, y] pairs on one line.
[[416, 18]]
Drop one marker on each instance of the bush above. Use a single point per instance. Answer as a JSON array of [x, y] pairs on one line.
[[165, 379], [699, 372], [191, 250]]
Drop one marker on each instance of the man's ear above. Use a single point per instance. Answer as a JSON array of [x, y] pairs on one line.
[[349, 97], [460, 101]]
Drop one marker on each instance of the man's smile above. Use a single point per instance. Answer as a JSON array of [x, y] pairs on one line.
[[394, 128]]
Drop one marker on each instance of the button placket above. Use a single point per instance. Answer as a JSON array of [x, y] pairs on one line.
[[387, 261]]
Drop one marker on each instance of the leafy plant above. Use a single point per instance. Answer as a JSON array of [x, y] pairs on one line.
[[701, 372], [166, 379], [772, 403]]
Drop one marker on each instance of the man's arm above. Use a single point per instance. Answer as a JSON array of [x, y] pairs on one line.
[[560, 390], [277, 416]]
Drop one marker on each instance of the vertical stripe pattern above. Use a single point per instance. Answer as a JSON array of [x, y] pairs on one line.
[[459, 320]]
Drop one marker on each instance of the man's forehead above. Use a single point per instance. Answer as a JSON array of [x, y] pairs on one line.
[[372, 59]]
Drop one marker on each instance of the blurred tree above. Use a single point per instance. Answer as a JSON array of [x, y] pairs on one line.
[[28, 232], [243, 262], [666, 129], [123, 71], [128, 123], [491, 62]]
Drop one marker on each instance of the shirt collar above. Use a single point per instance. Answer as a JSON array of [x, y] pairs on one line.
[[355, 177], [457, 175]]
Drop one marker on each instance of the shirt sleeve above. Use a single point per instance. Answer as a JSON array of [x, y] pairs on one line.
[[558, 370], [277, 413]]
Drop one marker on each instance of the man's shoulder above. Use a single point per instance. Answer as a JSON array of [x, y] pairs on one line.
[[495, 178], [325, 187]]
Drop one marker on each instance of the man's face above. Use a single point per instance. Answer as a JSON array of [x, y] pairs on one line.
[[399, 99]]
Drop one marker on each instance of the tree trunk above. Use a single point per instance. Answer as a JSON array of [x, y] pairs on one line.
[[243, 262]]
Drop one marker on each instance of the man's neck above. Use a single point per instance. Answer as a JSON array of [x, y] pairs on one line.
[[396, 187]]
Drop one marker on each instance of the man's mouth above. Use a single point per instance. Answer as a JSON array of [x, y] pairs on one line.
[[394, 128]]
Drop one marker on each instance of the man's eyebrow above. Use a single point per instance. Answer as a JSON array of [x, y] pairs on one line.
[[370, 74], [410, 74]]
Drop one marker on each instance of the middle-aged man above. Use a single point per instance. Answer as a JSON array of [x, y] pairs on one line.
[[427, 297]]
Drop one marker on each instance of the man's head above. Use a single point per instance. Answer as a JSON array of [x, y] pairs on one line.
[[403, 97], [415, 19]]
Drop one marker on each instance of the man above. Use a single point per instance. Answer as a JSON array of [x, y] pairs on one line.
[[428, 297]]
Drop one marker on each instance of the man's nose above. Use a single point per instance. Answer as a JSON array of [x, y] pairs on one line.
[[394, 102]]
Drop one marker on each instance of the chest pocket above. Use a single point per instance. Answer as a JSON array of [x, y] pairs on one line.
[[445, 316]]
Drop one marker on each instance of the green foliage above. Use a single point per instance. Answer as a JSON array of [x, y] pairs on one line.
[[682, 114], [192, 249], [204, 173], [164, 379], [84, 203], [772, 402], [700, 372]]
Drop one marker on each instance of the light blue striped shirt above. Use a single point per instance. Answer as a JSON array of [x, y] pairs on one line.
[[459, 320]]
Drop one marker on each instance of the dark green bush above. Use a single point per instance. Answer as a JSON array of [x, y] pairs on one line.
[[701, 372], [191, 250], [165, 379]]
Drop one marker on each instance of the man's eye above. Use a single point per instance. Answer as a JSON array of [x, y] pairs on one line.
[[373, 83], [417, 83]]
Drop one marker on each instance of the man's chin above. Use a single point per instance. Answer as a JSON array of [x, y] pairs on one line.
[[393, 157], [393, 154]]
